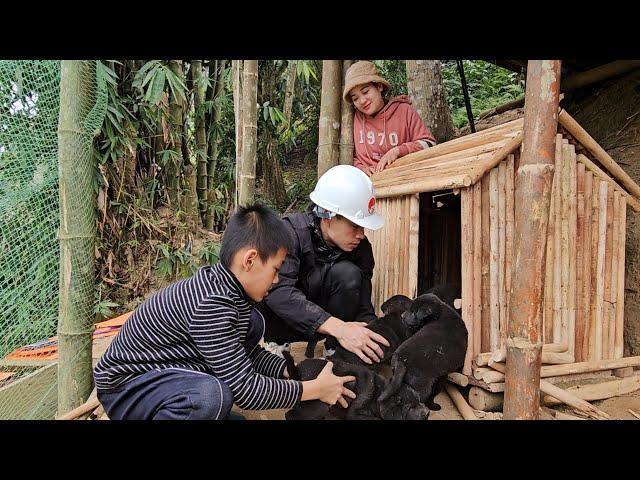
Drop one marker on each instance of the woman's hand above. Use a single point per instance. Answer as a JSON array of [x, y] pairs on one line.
[[328, 387], [368, 170], [387, 159]]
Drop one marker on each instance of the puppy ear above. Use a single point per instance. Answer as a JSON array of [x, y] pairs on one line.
[[291, 366], [394, 384]]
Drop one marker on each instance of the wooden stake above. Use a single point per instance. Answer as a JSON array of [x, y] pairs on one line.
[[586, 265], [599, 173], [486, 401], [573, 247], [461, 404], [502, 227], [509, 232], [622, 235], [579, 267], [602, 231], [591, 366], [494, 299], [608, 257], [565, 243], [466, 215], [595, 228], [485, 343], [547, 318], [614, 275], [557, 244], [477, 268]]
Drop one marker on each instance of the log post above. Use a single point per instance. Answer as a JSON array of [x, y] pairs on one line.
[[532, 196]]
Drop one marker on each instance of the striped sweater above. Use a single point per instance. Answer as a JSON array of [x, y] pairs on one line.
[[200, 324]]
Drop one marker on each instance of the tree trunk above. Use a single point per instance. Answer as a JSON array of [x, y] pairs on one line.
[[237, 68], [330, 106], [201, 138], [246, 183], [346, 123], [77, 235], [217, 89], [532, 195], [290, 89], [424, 83], [190, 205], [174, 165]]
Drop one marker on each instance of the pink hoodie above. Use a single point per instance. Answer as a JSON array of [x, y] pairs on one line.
[[397, 124]]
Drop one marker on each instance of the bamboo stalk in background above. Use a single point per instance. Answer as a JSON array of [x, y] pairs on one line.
[[608, 255], [477, 267], [602, 233], [466, 215], [614, 274], [330, 111], [622, 212], [494, 302], [346, 123]]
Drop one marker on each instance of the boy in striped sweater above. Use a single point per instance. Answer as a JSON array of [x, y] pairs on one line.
[[192, 350]]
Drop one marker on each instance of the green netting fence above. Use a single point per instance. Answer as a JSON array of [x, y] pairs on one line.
[[30, 199]]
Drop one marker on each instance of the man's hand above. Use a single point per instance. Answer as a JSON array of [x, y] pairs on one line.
[[328, 388], [387, 159], [358, 339]]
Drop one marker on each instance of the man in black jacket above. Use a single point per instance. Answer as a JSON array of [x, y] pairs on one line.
[[325, 280]]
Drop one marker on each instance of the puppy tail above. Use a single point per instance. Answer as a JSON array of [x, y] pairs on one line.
[[394, 384], [291, 366]]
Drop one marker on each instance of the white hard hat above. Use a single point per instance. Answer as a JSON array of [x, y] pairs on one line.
[[348, 191]]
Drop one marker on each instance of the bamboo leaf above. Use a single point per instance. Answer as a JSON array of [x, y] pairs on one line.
[[156, 90]]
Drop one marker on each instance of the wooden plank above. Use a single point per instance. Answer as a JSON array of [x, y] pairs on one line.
[[586, 264], [578, 307], [414, 227], [573, 220], [557, 245], [466, 229], [477, 268], [430, 184], [614, 275], [590, 366], [494, 299], [595, 228], [600, 391], [622, 235], [485, 343], [502, 228], [608, 256]]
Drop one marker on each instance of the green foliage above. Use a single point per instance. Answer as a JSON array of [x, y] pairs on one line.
[[488, 86]]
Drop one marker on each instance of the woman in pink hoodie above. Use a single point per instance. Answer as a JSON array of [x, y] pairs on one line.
[[382, 130]]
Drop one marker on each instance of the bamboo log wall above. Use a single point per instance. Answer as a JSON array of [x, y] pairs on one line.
[[583, 301]]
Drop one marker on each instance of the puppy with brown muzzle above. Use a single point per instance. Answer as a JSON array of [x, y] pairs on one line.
[[402, 403], [437, 349]]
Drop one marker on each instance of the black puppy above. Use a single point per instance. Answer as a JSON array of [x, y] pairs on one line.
[[448, 293], [390, 326], [437, 349], [402, 404]]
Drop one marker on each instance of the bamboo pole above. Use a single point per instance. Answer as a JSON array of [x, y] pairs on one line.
[[461, 404], [533, 192], [614, 275], [549, 259], [494, 302], [458, 180], [509, 232], [557, 244], [485, 313], [586, 264], [249, 119], [602, 232], [477, 268], [466, 229], [76, 234], [581, 135], [502, 229], [600, 391], [565, 244], [608, 255], [590, 366], [595, 227], [622, 212], [573, 220], [414, 244], [346, 123], [598, 172], [579, 312]]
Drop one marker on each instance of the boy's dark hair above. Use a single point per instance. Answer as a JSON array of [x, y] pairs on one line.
[[254, 226]]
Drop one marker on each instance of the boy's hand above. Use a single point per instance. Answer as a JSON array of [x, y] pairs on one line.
[[331, 388], [387, 159]]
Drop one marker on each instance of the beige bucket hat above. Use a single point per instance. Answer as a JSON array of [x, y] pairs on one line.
[[360, 73]]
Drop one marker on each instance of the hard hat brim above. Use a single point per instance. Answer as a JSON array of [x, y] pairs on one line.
[[374, 221]]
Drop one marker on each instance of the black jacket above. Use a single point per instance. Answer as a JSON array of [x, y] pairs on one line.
[[293, 299]]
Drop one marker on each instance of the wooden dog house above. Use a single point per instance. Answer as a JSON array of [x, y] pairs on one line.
[[449, 217]]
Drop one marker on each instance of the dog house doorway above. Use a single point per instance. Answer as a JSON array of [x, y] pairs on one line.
[[439, 244]]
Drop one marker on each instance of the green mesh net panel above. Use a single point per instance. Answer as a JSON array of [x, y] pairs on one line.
[[30, 256]]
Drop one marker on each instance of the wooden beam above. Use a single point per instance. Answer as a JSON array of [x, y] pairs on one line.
[[461, 404], [600, 391]]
